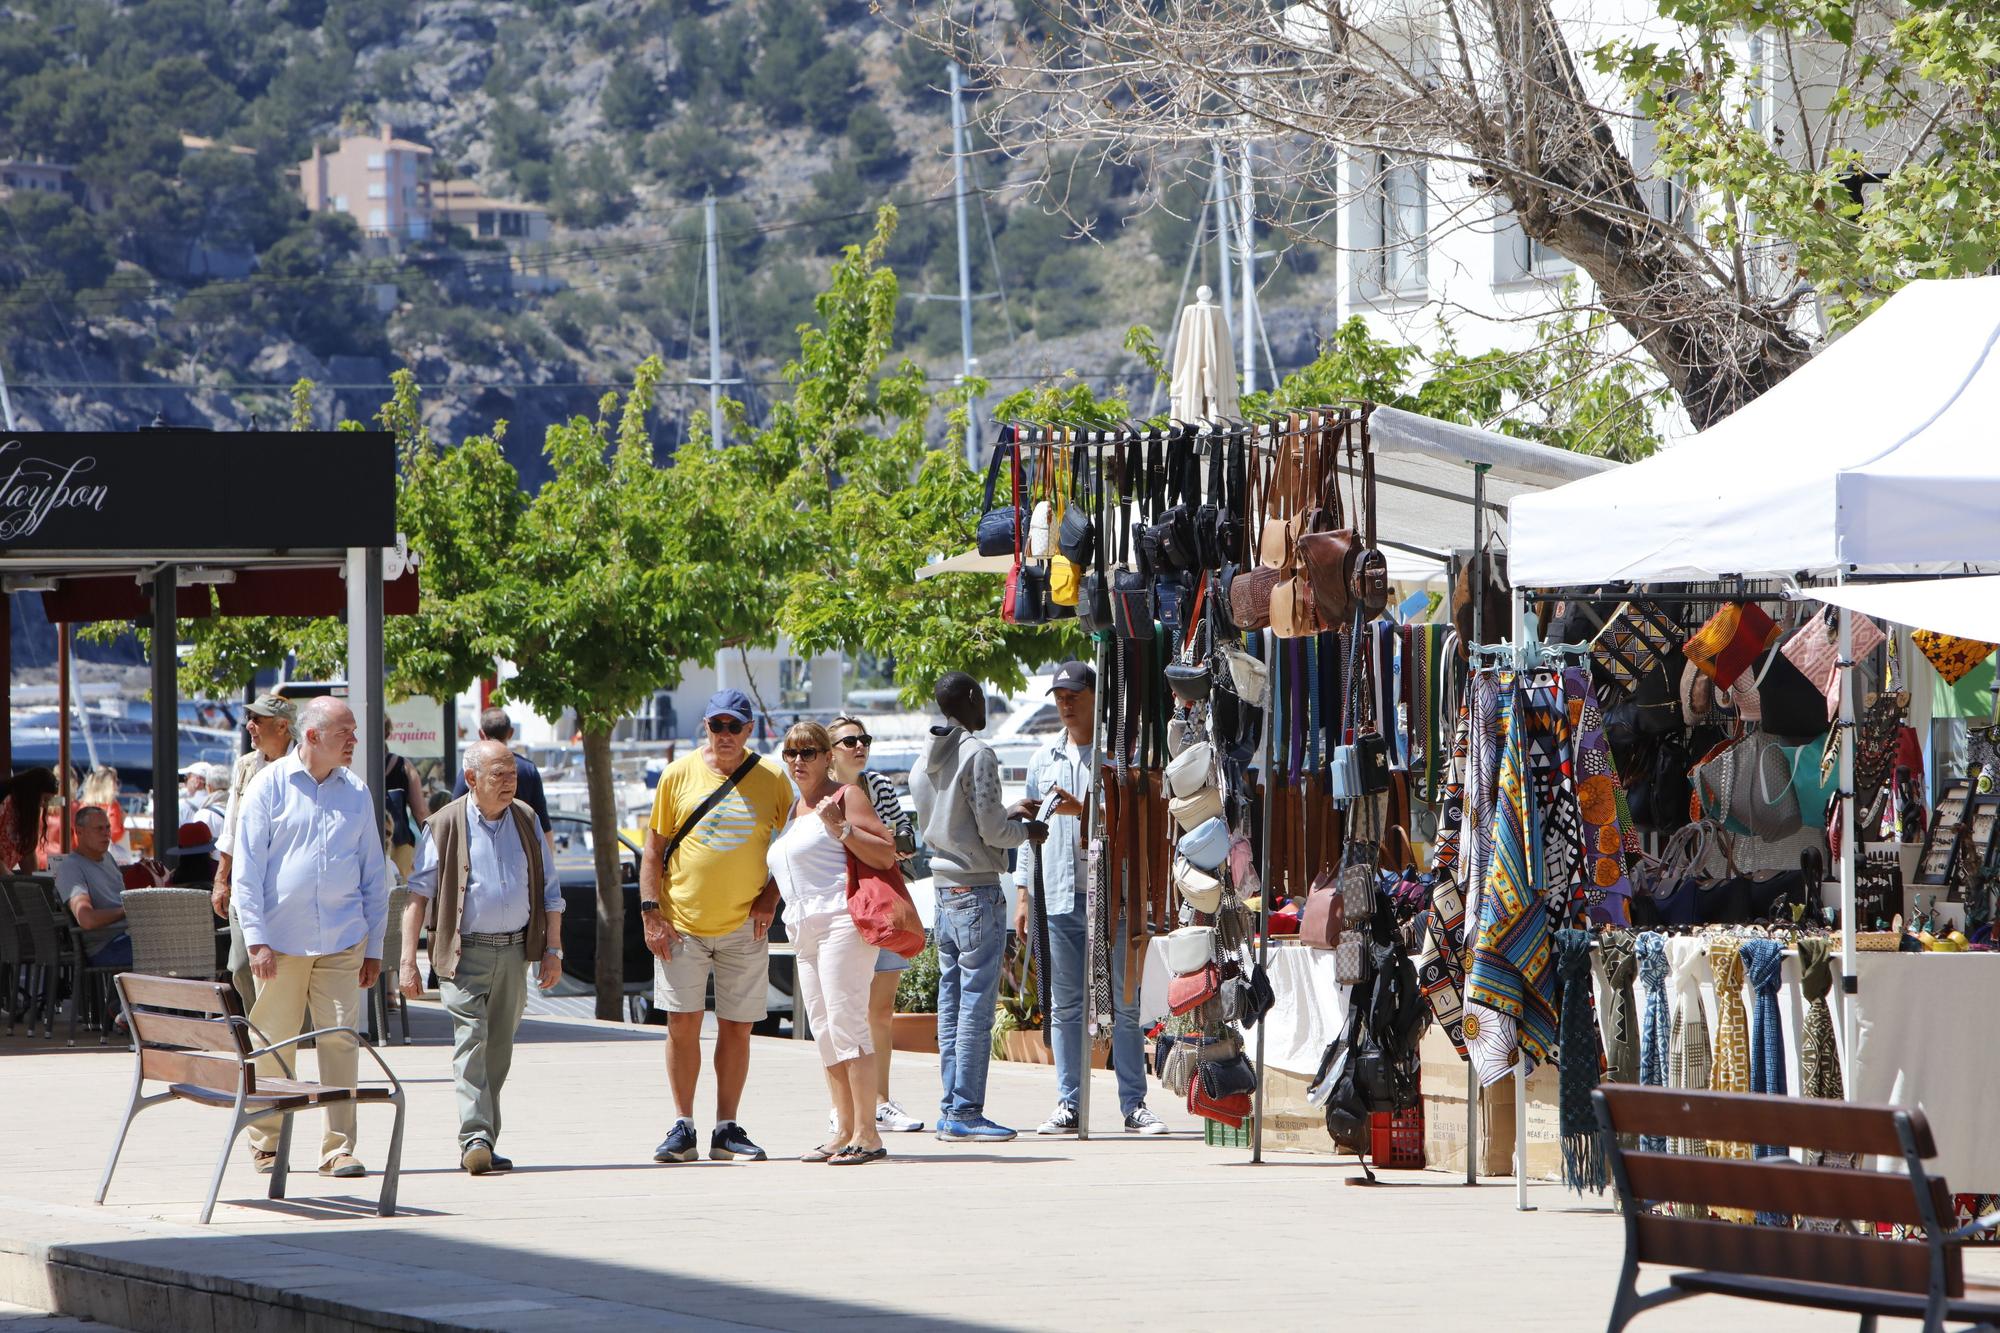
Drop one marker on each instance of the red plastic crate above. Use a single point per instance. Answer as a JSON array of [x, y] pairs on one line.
[[1396, 1140]]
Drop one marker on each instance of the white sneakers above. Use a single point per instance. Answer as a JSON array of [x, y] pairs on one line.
[[890, 1118]]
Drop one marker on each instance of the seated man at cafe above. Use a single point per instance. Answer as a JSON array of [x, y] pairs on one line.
[[93, 886]]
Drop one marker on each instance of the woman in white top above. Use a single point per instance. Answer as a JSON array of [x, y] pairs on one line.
[[851, 743], [835, 965]]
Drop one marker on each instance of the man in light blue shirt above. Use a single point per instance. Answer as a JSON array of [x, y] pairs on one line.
[[311, 890], [1062, 766], [486, 865]]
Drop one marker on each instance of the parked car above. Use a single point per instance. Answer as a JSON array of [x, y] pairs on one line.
[[576, 870]]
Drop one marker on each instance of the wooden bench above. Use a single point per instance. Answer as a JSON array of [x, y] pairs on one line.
[[193, 1036], [1867, 1275]]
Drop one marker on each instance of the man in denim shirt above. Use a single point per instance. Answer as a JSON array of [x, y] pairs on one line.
[[968, 831], [1062, 766]]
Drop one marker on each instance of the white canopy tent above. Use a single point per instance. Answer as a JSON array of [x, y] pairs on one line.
[[1878, 454], [1967, 607]]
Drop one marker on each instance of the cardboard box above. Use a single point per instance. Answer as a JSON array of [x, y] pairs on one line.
[[1444, 1076]]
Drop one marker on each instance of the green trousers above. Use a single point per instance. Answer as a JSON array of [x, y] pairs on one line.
[[485, 1001]]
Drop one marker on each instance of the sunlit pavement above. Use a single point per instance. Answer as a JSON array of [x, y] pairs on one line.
[[1118, 1232]]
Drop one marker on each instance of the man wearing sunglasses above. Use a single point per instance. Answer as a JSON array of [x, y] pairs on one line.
[[714, 815]]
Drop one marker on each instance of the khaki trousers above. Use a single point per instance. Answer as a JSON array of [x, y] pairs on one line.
[[330, 985]]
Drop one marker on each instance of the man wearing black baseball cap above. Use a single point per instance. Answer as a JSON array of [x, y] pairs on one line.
[[1061, 768], [707, 898]]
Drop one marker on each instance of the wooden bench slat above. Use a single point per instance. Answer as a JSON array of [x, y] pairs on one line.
[[290, 1096], [1805, 1256], [1779, 1185], [218, 1072], [1830, 1296], [1789, 1122], [205, 997], [204, 1034]]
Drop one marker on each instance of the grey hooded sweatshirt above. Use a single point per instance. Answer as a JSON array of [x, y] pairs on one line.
[[964, 822]]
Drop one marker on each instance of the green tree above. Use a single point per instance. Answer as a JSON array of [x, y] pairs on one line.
[[1897, 177], [49, 244], [627, 571], [693, 158], [633, 99], [877, 148]]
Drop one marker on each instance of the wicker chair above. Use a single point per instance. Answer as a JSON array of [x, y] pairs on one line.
[[173, 932], [386, 997]]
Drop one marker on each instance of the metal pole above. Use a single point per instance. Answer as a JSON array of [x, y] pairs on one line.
[[1219, 190], [62, 739], [82, 706], [365, 698], [6, 403], [1264, 891], [1518, 633], [967, 361], [166, 721], [1849, 851], [1478, 635], [1248, 256], [714, 324]]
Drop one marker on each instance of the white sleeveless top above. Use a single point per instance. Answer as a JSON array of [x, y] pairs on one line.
[[810, 866]]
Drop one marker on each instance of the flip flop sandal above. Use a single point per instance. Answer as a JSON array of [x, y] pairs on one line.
[[826, 1152], [857, 1156]]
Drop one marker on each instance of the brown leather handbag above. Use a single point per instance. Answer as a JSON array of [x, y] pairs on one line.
[[1325, 918], [1329, 555], [1274, 537], [1250, 588], [1369, 579]]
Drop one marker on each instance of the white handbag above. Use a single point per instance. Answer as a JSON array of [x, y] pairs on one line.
[[1039, 523], [1191, 770], [1190, 949], [1250, 678], [1191, 812], [1198, 889]]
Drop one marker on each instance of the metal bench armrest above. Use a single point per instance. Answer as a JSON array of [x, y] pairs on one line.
[[274, 1047]]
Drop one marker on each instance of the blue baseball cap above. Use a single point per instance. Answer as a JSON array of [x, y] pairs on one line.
[[728, 703]]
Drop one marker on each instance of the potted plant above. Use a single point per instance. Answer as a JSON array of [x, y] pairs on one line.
[[916, 1004], [1017, 1015]]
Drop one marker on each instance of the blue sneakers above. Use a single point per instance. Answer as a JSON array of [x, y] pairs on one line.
[[729, 1142], [973, 1129], [678, 1146]]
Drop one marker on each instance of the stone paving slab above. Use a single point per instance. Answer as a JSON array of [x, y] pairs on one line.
[[588, 1234]]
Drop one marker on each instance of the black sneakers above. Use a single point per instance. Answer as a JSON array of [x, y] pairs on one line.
[[729, 1141], [678, 1146]]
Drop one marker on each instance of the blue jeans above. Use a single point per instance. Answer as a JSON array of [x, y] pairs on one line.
[[112, 953], [971, 937], [1128, 1050]]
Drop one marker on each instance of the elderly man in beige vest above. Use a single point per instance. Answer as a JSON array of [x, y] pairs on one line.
[[486, 876]]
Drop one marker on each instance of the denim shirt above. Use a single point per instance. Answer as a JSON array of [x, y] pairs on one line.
[[1059, 763], [310, 874]]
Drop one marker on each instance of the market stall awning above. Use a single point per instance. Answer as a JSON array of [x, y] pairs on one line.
[[1967, 607], [1879, 453]]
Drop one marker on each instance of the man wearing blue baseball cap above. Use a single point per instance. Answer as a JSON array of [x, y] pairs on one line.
[[714, 815]]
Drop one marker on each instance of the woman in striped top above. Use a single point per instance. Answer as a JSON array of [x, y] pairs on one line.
[[851, 743]]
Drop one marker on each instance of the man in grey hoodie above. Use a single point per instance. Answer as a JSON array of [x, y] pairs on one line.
[[968, 832]]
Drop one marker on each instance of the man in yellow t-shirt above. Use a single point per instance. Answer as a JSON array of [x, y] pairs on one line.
[[713, 917]]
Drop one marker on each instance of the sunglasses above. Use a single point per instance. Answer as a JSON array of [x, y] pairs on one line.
[[808, 754], [859, 742], [727, 724]]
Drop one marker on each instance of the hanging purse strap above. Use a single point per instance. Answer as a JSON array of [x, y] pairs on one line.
[[1005, 448], [1016, 454], [1367, 483]]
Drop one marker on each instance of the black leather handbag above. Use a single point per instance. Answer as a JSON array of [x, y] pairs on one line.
[[1076, 536], [1000, 529], [1132, 610], [1093, 594]]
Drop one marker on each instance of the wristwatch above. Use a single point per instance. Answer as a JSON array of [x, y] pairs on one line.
[[647, 905], [557, 952]]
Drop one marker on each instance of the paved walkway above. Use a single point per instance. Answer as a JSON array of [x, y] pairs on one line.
[[588, 1234]]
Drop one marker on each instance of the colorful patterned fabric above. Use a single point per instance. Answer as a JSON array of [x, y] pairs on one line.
[[1733, 638], [1732, 1043], [1510, 988], [1621, 1021], [1441, 971], [1952, 656], [1650, 949], [1602, 890], [1580, 1062], [1482, 761]]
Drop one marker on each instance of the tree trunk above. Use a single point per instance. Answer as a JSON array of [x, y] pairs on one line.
[[610, 976]]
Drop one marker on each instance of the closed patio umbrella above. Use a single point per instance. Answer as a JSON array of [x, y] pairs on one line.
[[1204, 381]]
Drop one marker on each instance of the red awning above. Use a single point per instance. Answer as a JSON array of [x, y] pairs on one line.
[[116, 597], [255, 592]]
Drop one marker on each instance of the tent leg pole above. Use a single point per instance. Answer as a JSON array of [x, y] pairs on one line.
[[1264, 915], [1471, 1125], [1850, 851], [1521, 1203]]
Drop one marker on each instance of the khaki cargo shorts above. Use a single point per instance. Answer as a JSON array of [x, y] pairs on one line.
[[740, 964]]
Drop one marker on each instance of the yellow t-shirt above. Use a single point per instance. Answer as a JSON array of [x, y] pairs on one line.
[[719, 868]]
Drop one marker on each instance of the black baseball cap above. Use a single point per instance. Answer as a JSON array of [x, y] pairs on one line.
[[1074, 675]]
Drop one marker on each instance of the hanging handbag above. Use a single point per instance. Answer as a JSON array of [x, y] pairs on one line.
[[1189, 949], [1222, 1079], [1197, 888], [1206, 844], [1191, 771], [1249, 677], [1328, 555], [1000, 529], [883, 913], [1731, 641], [1076, 533], [1322, 923], [1760, 795], [1064, 584], [1789, 706], [1191, 812], [1230, 1111], [1637, 642], [1369, 579], [1815, 650], [1274, 535], [1953, 656], [1093, 594], [1193, 990], [1481, 580]]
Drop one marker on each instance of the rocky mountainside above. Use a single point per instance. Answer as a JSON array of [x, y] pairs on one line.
[[190, 282]]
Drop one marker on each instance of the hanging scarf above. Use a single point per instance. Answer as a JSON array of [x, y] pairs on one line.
[[1651, 951], [1602, 889], [1621, 1026], [1482, 764], [1510, 989], [1763, 967], [1441, 971], [1689, 1059], [1732, 1044], [1578, 1065], [1556, 835], [1819, 1059]]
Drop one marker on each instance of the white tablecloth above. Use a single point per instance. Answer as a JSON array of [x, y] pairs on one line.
[[1921, 1040], [1310, 1009]]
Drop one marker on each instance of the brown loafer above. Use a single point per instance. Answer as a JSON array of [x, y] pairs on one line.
[[477, 1158], [345, 1167]]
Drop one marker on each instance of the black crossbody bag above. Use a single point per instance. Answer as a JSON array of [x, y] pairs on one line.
[[708, 803]]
